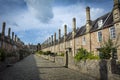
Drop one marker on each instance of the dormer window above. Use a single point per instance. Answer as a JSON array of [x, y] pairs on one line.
[[100, 23]]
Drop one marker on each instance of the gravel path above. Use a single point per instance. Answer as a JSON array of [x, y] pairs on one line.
[[36, 68]]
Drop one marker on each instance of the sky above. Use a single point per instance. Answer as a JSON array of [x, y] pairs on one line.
[[34, 21]]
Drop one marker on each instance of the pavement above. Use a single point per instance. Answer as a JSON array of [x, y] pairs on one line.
[[37, 68]]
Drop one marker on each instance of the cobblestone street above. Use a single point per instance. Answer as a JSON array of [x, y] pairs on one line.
[[36, 68]]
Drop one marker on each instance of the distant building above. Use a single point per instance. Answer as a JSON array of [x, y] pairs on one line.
[[88, 36], [32, 48], [9, 43]]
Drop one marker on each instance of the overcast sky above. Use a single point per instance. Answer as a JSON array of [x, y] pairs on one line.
[[33, 21]]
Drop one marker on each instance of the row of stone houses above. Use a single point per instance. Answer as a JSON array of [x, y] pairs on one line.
[[90, 36], [9, 42]]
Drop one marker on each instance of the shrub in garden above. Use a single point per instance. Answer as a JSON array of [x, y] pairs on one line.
[[107, 48], [2, 55], [62, 54], [83, 54], [40, 52]]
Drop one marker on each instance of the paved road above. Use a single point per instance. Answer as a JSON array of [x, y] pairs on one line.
[[36, 68]]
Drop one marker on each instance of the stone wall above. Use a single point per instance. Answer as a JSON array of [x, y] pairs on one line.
[[100, 69]]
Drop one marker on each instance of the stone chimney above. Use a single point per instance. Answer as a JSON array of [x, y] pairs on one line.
[[49, 40], [9, 30], [65, 32], [116, 19], [74, 28], [73, 35], [88, 19], [12, 35], [116, 2], [3, 28], [54, 38], [15, 38], [59, 34], [116, 11]]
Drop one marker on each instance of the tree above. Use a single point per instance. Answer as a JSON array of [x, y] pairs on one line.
[[107, 47]]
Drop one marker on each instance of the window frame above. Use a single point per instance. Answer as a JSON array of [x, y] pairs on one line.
[[112, 32], [83, 40], [100, 23], [98, 38]]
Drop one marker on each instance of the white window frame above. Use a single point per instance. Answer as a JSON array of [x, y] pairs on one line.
[[83, 40], [112, 33], [100, 23], [98, 38]]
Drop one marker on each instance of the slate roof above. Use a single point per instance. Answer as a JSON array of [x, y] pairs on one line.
[[107, 22]]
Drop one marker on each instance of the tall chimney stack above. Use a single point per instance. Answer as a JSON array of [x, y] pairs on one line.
[[88, 14], [73, 36], [116, 2], [9, 30], [3, 28], [12, 35], [15, 38], [74, 27], [65, 32], [59, 36], [54, 38], [49, 40], [88, 19]]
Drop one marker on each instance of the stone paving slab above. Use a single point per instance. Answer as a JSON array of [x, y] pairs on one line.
[[37, 68]]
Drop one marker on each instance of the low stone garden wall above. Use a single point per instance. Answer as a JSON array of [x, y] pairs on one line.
[[100, 69]]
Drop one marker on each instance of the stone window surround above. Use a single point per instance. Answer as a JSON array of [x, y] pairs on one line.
[[83, 40], [112, 32], [99, 36]]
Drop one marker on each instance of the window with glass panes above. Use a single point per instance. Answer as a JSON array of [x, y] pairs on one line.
[[99, 36], [112, 33]]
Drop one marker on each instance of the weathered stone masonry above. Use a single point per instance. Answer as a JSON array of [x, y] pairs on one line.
[[8, 42], [88, 36]]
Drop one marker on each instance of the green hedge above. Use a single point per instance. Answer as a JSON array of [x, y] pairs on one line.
[[83, 54], [46, 53]]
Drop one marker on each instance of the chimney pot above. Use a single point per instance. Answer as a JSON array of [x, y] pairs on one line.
[[3, 28], [9, 30]]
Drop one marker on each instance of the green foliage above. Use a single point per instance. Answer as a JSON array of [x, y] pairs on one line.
[[106, 49], [2, 55], [83, 54], [46, 53], [62, 54], [118, 62], [40, 52]]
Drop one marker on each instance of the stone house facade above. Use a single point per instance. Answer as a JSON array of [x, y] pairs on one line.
[[90, 36], [8, 42]]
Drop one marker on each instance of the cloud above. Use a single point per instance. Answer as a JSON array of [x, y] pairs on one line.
[[42, 9], [65, 14], [37, 23], [10, 6], [41, 31]]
